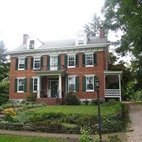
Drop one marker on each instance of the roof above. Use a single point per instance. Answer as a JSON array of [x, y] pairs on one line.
[[63, 43]]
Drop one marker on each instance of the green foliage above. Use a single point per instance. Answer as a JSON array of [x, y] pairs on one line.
[[85, 135], [114, 138], [31, 98], [71, 99]]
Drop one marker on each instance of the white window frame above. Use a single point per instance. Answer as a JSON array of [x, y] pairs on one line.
[[35, 78], [71, 55], [91, 54], [19, 62], [18, 84], [37, 59], [74, 83], [53, 64], [89, 90]]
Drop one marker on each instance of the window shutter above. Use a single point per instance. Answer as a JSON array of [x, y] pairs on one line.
[[67, 84], [83, 60], [16, 63], [26, 61], [25, 85], [77, 83], [31, 84], [95, 78], [95, 59], [77, 60], [48, 62], [84, 84], [41, 62], [32, 63], [59, 62], [15, 87], [65, 60]]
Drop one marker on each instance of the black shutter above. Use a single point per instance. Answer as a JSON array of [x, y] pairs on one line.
[[32, 62], [25, 85], [95, 58], [67, 84], [59, 62], [77, 83], [16, 63], [84, 84], [31, 84], [26, 61], [95, 78], [15, 85], [83, 60], [41, 62], [77, 60], [65, 60], [48, 62]]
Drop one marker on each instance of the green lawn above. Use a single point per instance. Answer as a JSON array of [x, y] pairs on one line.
[[12, 138], [80, 109]]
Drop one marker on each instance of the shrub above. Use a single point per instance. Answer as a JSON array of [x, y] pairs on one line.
[[9, 114], [71, 99], [31, 97], [86, 102]]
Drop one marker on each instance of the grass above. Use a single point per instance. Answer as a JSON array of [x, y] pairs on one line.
[[80, 109], [13, 138]]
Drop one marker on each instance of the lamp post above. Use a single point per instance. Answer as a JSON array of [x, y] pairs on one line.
[[97, 85]]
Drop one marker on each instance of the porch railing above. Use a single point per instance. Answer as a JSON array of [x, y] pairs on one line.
[[112, 93]]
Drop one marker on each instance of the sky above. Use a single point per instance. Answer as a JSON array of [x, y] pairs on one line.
[[44, 19]]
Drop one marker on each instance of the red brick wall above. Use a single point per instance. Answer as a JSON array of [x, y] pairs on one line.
[[98, 70]]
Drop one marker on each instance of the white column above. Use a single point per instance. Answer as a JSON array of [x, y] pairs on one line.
[[119, 77], [38, 88], [60, 86]]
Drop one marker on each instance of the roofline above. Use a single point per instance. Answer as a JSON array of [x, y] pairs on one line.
[[63, 48]]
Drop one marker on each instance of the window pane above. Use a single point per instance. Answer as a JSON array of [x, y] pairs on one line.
[[89, 59], [71, 84], [21, 63], [90, 83], [21, 85], [35, 84], [71, 60], [37, 62]]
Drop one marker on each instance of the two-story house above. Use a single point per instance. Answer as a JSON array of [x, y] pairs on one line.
[[54, 68]]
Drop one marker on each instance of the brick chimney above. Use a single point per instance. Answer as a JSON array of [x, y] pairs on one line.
[[25, 38], [102, 33]]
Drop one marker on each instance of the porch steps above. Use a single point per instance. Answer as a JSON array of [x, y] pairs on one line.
[[50, 101]]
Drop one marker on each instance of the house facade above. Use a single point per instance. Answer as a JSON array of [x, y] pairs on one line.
[[54, 68]]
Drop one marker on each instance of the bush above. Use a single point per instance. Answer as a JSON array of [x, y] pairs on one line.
[[71, 99], [9, 114], [31, 98]]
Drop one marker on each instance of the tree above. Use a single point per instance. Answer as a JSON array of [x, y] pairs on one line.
[[4, 79], [126, 15], [92, 28]]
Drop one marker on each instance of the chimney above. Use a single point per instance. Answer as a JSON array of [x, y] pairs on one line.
[[25, 38], [102, 32]]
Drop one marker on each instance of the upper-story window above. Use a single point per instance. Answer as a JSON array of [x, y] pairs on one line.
[[36, 63], [32, 44], [71, 60], [89, 59], [21, 63], [53, 62]]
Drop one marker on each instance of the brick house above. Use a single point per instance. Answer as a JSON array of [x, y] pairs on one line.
[[54, 68]]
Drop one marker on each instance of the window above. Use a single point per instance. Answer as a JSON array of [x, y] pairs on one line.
[[20, 85], [35, 81], [71, 84], [71, 60], [21, 63], [53, 63], [32, 44], [90, 83], [89, 59], [36, 64]]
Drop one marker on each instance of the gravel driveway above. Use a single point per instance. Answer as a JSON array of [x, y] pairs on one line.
[[135, 114]]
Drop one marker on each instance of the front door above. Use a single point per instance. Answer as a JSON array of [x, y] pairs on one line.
[[54, 88]]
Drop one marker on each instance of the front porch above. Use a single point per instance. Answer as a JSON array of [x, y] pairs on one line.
[[113, 84], [50, 87]]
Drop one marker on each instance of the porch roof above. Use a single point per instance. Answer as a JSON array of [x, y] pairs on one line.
[[50, 73], [112, 72]]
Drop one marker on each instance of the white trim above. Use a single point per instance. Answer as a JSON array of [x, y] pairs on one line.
[[18, 78], [74, 60], [86, 60], [74, 77], [20, 58], [92, 90], [39, 59]]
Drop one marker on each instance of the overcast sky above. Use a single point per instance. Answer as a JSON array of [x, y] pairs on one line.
[[45, 19]]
